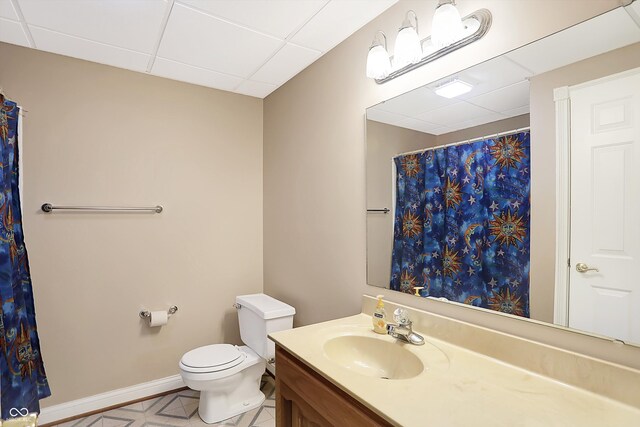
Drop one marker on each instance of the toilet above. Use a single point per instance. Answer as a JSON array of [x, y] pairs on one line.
[[228, 376]]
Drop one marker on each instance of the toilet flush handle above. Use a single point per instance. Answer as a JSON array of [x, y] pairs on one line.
[[237, 306]]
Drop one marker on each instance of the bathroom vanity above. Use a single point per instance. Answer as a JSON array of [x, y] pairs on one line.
[[305, 398], [342, 373]]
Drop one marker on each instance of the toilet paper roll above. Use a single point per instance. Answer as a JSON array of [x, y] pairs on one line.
[[158, 318]]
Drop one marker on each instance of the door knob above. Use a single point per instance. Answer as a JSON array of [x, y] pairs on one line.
[[581, 267]]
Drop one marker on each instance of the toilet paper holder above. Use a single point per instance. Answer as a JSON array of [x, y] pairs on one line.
[[146, 314]]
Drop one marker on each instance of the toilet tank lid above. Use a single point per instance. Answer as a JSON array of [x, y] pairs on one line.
[[265, 306]]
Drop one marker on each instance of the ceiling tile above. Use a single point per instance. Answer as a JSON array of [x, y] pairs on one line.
[[489, 118], [11, 32], [76, 47], [289, 61], [195, 38], [506, 98], [257, 89], [382, 116], [634, 11], [175, 70], [130, 24], [579, 42], [7, 11], [337, 21], [484, 79], [421, 126], [517, 111], [454, 113], [416, 102], [278, 18]]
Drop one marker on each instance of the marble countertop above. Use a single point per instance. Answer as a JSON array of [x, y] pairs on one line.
[[458, 387]]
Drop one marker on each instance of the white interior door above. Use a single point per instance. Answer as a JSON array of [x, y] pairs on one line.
[[605, 207]]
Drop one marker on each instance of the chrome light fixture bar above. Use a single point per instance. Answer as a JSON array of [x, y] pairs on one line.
[[481, 17]]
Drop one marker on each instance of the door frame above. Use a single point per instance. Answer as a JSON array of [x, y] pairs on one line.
[[562, 98]]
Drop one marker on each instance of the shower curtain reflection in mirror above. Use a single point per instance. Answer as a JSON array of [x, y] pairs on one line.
[[461, 225]]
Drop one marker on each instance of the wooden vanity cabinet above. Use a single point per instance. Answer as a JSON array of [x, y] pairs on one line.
[[306, 399]]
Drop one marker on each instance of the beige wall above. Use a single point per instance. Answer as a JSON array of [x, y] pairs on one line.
[[97, 135], [314, 178], [384, 142], [543, 164]]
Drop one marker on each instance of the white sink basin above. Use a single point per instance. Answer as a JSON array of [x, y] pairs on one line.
[[373, 357]]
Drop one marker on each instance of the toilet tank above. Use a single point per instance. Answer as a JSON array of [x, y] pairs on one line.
[[258, 316]]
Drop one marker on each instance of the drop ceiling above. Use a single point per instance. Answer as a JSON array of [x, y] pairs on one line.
[[245, 46], [501, 85]]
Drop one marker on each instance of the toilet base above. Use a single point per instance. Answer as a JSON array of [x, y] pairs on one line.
[[228, 393], [212, 411]]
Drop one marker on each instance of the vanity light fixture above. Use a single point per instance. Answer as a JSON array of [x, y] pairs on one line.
[[378, 63], [446, 27], [450, 33], [453, 88], [408, 49]]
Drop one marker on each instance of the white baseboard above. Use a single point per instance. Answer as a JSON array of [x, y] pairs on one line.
[[55, 413]]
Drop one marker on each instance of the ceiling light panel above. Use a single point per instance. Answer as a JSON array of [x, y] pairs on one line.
[[133, 25], [277, 18], [453, 88], [201, 40], [337, 21]]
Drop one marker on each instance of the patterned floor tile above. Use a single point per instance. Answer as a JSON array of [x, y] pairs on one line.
[[270, 410], [166, 421], [73, 423], [262, 418], [122, 414], [92, 420], [179, 409]]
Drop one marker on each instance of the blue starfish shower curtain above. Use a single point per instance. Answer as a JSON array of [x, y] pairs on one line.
[[23, 380], [461, 226]]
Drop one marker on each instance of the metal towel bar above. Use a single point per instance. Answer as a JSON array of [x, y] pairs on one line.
[[384, 210], [48, 207]]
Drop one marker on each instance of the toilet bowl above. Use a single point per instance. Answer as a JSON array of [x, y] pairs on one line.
[[228, 376]]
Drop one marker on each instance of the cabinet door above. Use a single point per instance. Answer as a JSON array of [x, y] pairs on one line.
[[305, 416], [305, 398]]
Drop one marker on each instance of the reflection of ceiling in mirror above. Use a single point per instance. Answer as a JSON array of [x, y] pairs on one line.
[[501, 85]]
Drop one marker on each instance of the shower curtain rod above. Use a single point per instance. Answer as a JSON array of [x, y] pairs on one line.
[[493, 135]]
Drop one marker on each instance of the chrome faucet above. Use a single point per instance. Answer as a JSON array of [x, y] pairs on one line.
[[402, 329]]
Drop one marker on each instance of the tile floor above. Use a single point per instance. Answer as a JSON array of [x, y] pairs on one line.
[[180, 409]]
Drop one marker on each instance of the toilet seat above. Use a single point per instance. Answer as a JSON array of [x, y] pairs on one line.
[[212, 358]]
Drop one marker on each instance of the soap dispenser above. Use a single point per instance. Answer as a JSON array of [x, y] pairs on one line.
[[380, 317]]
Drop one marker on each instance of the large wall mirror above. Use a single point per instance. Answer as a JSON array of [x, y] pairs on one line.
[[514, 185]]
